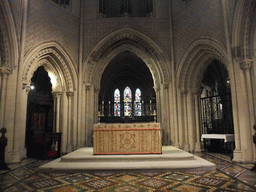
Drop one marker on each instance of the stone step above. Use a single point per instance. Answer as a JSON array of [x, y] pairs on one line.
[[171, 158]]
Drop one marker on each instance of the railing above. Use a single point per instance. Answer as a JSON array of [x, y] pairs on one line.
[[147, 113], [217, 114]]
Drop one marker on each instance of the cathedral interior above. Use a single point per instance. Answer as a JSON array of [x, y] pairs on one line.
[[189, 65]]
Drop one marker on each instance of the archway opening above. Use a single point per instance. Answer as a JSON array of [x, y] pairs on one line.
[[216, 103], [39, 112], [127, 93]]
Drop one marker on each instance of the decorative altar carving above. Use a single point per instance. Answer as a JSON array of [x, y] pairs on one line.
[[127, 138]]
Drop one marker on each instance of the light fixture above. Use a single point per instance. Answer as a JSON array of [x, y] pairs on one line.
[[32, 87]]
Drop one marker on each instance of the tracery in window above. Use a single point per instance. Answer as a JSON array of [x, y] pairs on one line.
[[117, 103], [137, 102], [127, 102]]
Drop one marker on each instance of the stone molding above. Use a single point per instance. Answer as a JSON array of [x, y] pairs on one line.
[[53, 61], [57, 94], [5, 71], [127, 39], [246, 64], [70, 94], [197, 56], [249, 7]]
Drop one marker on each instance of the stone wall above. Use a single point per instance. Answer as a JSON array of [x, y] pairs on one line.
[[47, 22], [194, 19]]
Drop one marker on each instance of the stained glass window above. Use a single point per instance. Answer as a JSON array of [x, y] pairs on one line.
[[138, 102], [127, 102], [117, 103]]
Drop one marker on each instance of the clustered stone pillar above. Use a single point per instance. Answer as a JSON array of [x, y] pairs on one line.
[[4, 71], [87, 131], [184, 95], [246, 66], [69, 123], [57, 95], [197, 97]]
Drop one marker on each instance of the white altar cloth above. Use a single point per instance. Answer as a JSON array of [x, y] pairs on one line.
[[225, 137]]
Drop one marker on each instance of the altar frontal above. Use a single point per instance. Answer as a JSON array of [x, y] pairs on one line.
[[127, 138]]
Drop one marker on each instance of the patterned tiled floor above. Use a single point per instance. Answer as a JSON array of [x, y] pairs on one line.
[[228, 177]]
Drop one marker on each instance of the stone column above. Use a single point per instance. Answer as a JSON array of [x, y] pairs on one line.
[[96, 99], [191, 121], [4, 71], [69, 123], [246, 66], [185, 118], [87, 95], [158, 103], [197, 98], [56, 115]]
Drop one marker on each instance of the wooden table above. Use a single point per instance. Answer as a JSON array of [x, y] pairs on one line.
[[127, 138]]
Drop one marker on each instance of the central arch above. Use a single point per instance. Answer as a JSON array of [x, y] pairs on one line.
[[120, 41], [127, 39]]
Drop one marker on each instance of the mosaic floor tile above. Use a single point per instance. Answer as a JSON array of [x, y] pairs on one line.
[[21, 172], [7, 180], [55, 174], [155, 183], [97, 184], [127, 177], [128, 188], [209, 181], [25, 177], [66, 188], [176, 176], [104, 173], [151, 174], [234, 185], [41, 184], [75, 178], [188, 188], [233, 170]]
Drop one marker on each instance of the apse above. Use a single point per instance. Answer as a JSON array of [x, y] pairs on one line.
[[126, 90]]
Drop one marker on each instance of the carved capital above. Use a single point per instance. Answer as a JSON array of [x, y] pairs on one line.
[[4, 71], [87, 88], [57, 94], [27, 88], [183, 91], [70, 94], [246, 64]]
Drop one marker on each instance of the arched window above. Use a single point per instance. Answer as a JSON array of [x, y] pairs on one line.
[[137, 102], [123, 8], [127, 102], [117, 103]]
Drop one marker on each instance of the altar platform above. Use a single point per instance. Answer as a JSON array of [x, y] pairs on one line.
[[171, 158]]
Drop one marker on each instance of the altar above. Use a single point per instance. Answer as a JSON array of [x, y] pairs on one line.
[[127, 138]]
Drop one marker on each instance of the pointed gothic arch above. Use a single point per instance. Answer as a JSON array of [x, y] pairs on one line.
[[120, 41], [55, 61], [195, 61], [61, 69], [8, 37], [127, 39]]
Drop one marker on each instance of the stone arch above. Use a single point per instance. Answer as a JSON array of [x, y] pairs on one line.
[[8, 38], [56, 62], [195, 61], [242, 37], [127, 39]]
